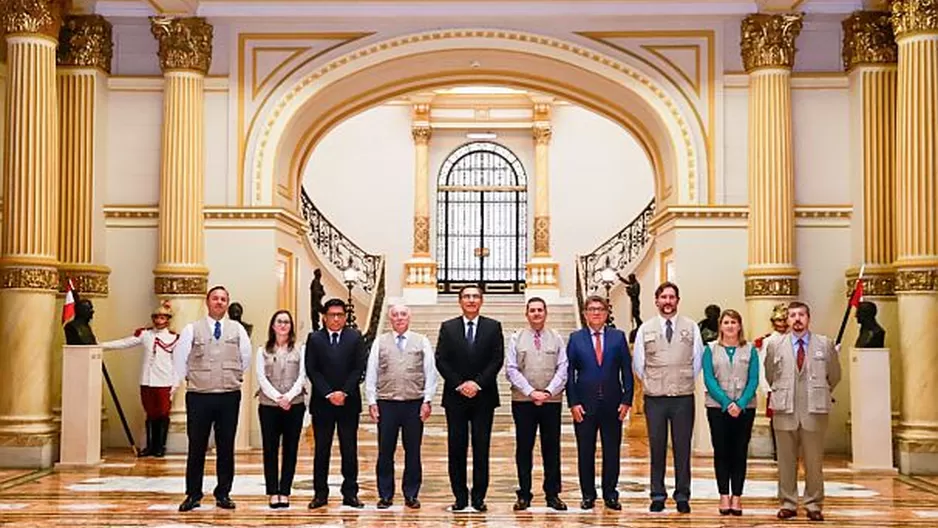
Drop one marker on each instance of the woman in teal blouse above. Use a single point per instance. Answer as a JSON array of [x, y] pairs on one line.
[[731, 374]]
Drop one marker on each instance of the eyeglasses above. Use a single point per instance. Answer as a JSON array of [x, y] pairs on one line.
[[337, 315], [282, 321], [595, 309]]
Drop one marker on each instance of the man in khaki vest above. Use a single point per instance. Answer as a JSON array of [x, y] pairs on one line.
[[212, 355], [536, 367], [802, 369], [667, 358], [400, 381]]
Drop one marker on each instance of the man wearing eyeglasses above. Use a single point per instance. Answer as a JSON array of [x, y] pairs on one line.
[[335, 363]]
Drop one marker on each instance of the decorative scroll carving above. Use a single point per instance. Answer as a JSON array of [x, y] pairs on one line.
[[874, 284], [542, 134], [180, 285], [29, 278], [421, 235], [772, 287], [338, 248], [868, 39], [917, 280], [619, 251], [185, 43], [40, 17], [542, 235], [88, 283], [914, 16], [768, 41], [86, 40], [421, 134]]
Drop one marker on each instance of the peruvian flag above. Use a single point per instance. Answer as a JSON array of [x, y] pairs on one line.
[[857, 294], [68, 309]]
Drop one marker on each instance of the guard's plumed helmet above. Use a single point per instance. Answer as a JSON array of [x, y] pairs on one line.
[[163, 309], [779, 312]]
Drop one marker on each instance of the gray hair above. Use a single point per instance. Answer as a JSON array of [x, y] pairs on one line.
[[399, 306]]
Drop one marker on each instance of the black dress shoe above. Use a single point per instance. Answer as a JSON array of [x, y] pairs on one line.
[[318, 502], [725, 511], [480, 506], [656, 506], [190, 503], [786, 513], [815, 515], [521, 504], [683, 507], [587, 504], [556, 504], [412, 503], [459, 506], [352, 502], [613, 504], [225, 503], [384, 504]]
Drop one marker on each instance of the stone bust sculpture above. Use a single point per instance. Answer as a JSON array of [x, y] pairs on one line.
[[871, 334], [78, 330], [710, 324], [235, 312]]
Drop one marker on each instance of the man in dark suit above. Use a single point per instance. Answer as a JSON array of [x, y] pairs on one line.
[[599, 392], [469, 353], [335, 361]]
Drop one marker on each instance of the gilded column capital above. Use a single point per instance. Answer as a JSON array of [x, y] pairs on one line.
[[40, 17], [180, 285], [421, 134], [88, 280], [86, 40], [768, 41], [542, 134], [542, 112], [185, 43], [29, 278], [868, 39], [910, 17]]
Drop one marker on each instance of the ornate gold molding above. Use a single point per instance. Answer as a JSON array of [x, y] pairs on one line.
[[914, 16], [86, 40], [29, 278], [877, 284], [868, 39], [768, 41], [771, 286], [542, 112], [185, 43], [542, 134], [422, 235], [89, 281], [917, 280], [422, 112], [421, 134], [39, 17], [542, 235], [180, 285]]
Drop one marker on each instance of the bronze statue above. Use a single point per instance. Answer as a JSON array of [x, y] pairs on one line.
[[634, 290], [871, 334], [235, 312], [710, 325], [78, 330], [316, 294]]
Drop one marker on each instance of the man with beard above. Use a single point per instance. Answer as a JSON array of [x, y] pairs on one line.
[[667, 359], [802, 368]]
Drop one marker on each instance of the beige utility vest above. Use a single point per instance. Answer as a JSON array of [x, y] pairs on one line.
[[731, 375], [282, 370], [214, 365], [801, 391], [537, 366], [400, 372], [669, 367]]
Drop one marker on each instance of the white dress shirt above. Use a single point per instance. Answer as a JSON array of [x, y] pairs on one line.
[[429, 367], [157, 368], [266, 387], [638, 349], [184, 346]]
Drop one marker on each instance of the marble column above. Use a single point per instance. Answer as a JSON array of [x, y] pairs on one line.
[[420, 269], [29, 243], [185, 53], [915, 23], [768, 53], [869, 57], [542, 272]]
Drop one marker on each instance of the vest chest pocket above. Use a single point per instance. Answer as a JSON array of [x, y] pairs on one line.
[[781, 400], [232, 370]]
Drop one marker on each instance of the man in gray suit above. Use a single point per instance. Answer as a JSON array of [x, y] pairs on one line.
[[802, 368]]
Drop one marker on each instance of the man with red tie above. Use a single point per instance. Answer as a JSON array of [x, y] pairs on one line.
[[599, 392], [802, 368]]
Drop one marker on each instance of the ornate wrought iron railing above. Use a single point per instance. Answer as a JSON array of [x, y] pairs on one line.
[[376, 308], [338, 249]]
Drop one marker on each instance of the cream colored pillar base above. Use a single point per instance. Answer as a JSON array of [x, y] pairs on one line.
[[918, 430], [420, 281], [701, 443], [186, 309], [80, 444], [542, 276], [870, 412]]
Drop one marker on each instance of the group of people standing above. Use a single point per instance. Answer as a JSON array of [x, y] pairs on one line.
[[594, 367]]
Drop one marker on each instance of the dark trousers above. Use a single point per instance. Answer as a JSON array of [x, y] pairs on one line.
[[730, 437], [678, 411], [403, 417], [605, 420], [325, 423], [205, 411], [528, 417], [278, 425], [459, 422]]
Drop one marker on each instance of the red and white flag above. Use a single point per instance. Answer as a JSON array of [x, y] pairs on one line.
[[68, 309]]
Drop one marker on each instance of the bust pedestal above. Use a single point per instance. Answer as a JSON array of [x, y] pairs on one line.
[[80, 440], [871, 410]]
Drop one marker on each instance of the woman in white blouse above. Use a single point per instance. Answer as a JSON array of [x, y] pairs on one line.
[[281, 375]]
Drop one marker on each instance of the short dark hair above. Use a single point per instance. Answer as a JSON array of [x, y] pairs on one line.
[[664, 286], [534, 300], [334, 302], [215, 289], [467, 286], [798, 304], [596, 299]]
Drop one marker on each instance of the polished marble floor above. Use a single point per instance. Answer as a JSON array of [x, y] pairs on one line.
[[124, 491]]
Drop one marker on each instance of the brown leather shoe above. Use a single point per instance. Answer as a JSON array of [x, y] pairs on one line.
[[785, 513], [815, 515]]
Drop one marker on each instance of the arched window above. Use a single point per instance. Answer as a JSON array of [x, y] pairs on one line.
[[482, 211]]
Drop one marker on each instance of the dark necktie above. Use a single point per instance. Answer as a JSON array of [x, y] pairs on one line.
[[217, 333], [668, 330], [470, 332], [400, 342], [335, 338], [800, 354], [537, 340]]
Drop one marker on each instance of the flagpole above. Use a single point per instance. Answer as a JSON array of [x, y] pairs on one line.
[[843, 323], [120, 410]]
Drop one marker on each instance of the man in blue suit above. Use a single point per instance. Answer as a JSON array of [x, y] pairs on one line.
[[599, 392]]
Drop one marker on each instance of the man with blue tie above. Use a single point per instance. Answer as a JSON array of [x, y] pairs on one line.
[[599, 393]]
